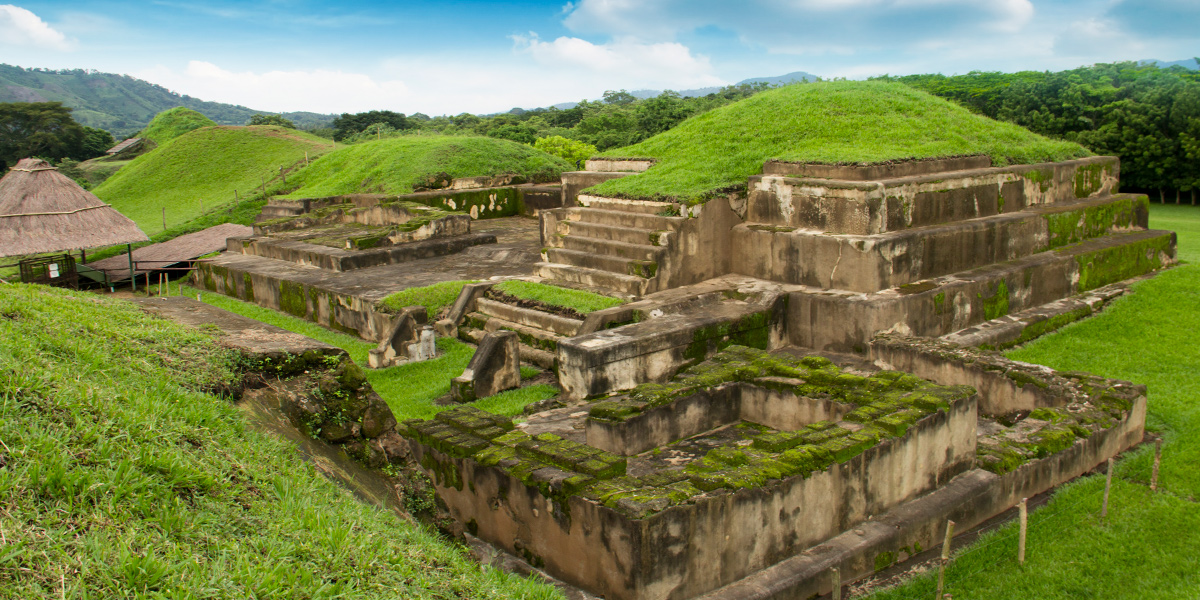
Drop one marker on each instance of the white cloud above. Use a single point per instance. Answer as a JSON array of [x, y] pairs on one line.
[[803, 26], [281, 91], [20, 27], [631, 63]]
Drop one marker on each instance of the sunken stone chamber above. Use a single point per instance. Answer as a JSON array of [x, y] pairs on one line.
[[673, 490]]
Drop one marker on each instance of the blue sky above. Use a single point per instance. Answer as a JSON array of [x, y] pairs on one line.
[[482, 57]]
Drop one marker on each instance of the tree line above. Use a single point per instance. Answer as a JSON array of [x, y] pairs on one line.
[[1147, 116], [46, 130]]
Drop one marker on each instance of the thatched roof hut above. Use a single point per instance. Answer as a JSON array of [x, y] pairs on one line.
[[42, 210]]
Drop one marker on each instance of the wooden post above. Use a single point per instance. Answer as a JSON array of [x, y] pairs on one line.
[[264, 184], [147, 283], [201, 205], [1107, 487], [236, 201], [1157, 461], [836, 581], [1024, 530], [282, 175], [132, 275], [306, 164], [945, 558], [164, 218]]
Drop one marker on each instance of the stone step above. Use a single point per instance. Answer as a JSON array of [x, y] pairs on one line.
[[624, 219], [617, 282], [609, 247], [647, 207], [558, 324], [541, 358], [530, 336], [628, 235], [639, 268], [339, 260], [872, 263]]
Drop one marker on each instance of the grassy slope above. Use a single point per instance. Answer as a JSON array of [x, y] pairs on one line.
[[830, 122], [408, 389], [120, 479], [170, 124], [393, 165], [206, 165], [433, 297], [1148, 538]]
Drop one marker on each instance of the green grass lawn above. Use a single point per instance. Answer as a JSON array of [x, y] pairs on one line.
[[120, 478], [1148, 546], [580, 301], [198, 172], [828, 122], [396, 165], [408, 389]]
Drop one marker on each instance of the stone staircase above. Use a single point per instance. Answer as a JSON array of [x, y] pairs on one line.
[[610, 244], [538, 331]]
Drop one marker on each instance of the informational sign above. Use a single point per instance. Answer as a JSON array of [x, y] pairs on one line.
[[53, 270]]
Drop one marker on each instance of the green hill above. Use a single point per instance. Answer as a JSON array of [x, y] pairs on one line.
[[828, 122], [119, 103], [202, 169], [172, 123], [395, 165]]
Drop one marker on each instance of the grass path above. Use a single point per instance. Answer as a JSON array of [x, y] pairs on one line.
[[1149, 546], [408, 389]]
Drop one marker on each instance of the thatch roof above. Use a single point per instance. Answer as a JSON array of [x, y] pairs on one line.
[[176, 250], [42, 210]]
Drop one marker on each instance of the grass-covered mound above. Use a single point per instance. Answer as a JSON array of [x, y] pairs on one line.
[[433, 297], [827, 122], [579, 301], [204, 167], [121, 478], [398, 165], [170, 124]]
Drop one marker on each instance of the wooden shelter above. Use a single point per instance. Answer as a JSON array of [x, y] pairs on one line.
[[43, 211]]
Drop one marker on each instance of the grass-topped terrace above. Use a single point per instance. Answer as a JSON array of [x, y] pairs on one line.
[[826, 122], [433, 297], [399, 165], [121, 478], [579, 301], [199, 172]]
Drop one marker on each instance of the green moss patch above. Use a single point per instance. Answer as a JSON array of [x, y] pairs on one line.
[[433, 297]]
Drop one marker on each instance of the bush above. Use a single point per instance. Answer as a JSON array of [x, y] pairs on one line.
[[573, 151]]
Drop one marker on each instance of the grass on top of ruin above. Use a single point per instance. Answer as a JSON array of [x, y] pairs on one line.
[[409, 389], [199, 172], [825, 122], [121, 478], [1146, 546], [398, 165], [580, 301], [433, 297]]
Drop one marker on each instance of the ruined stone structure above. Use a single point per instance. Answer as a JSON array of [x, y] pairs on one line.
[[792, 385]]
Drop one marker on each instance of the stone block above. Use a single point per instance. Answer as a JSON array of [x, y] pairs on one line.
[[495, 367]]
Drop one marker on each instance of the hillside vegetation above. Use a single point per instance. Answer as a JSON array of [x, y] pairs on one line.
[[170, 124], [827, 122], [397, 165], [121, 478], [120, 103], [204, 166]]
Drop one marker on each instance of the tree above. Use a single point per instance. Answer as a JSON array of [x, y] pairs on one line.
[[621, 97], [95, 143], [261, 119], [350, 124], [573, 151], [41, 129]]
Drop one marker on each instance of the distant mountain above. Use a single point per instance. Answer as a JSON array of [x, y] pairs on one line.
[[704, 91], [1189, 63], [119, 103]]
